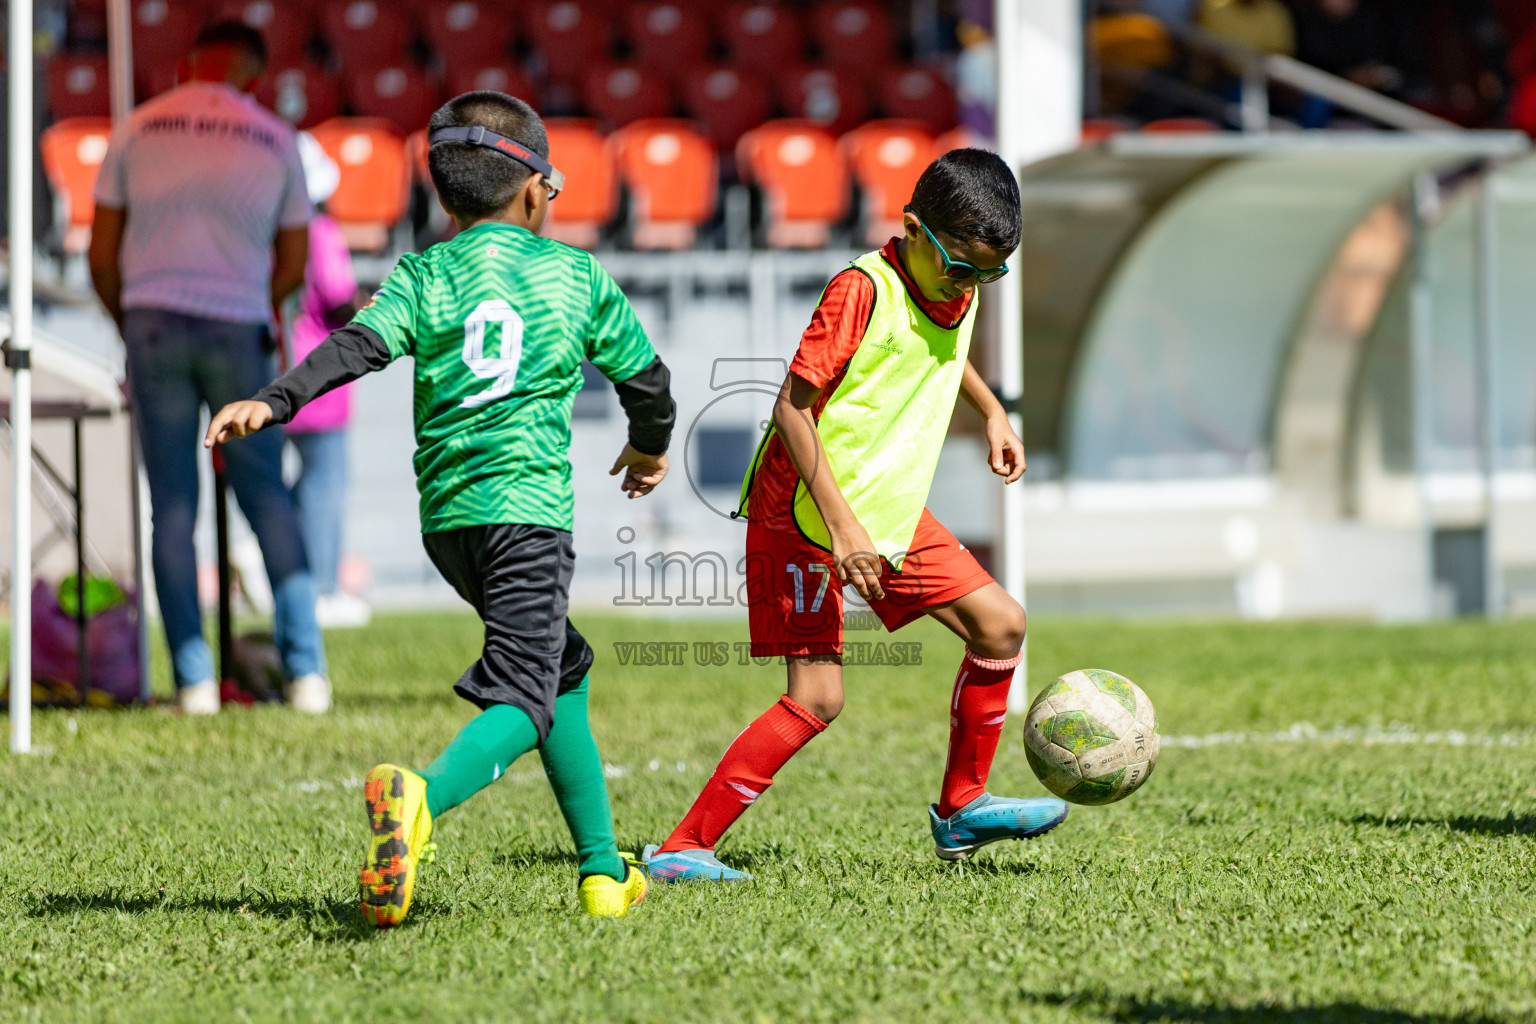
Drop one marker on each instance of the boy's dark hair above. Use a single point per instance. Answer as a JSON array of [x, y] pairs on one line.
[[971, 196], [472, 180], [236, 34]]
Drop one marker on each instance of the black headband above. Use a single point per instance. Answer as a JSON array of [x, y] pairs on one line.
[[479, 135]]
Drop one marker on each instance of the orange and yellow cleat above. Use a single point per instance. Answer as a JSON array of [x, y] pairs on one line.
[[402, 829]]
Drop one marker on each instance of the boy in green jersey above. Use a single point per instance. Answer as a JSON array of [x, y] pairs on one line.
[[498, 321]]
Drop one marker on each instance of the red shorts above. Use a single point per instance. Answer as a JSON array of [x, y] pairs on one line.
[[795, 602]]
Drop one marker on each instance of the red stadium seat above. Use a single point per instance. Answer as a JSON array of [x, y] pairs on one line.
[[571, 37], [72, 151], [591, 196], [375, 178], [763, 36], [887, 158], [163, 32], [853, 34], [1097, 129], [77, 85], [960, 138], [831, 97], [797, 166], [673, 176], [150, 80], [621, 93], [401, 94], [507, 78], [285, 25], [1181, 125], [469, 32], [364, 34], [727, 100], [668, 35], [303, 95], [917, 93]]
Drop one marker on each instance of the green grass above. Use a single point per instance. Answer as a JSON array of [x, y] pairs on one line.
[[159, 869]]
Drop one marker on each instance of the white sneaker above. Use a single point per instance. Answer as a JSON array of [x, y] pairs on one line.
[[342, 610], [199, 698], [310, 694]]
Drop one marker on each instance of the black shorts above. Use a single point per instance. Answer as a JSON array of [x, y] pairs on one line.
[[518, 578]]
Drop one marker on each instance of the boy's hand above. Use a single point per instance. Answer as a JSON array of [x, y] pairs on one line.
[[1005, 451], [854, 555], [237, 419], [643, 472]]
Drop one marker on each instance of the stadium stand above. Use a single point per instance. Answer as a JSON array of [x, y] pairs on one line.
[[374, 192], [304, 95], [1181, 125], [620, 93], [162, 33], [828, 96], [464, 32], [886, 158], [401, 94], [150, 80], [570, 36], [287, 27], [727, 100], [507, 78], [77, 86], [72, 151], [667, 36], [802, 177], [762, 36], [364, 35], [672, 174], [854, 35], [591, 197], [917, 93]]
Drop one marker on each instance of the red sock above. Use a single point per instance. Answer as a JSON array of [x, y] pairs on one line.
[[744, 774], [976, 714]]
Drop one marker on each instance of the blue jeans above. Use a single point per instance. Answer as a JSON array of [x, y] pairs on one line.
[[176, 365], [321, 494]]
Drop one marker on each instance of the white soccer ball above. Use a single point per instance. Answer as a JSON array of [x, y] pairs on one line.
[[1091, 737]]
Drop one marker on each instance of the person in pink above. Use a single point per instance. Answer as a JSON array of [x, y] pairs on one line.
[[319, 431]]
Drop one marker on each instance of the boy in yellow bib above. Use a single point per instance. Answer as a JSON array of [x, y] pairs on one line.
[[835, 496]]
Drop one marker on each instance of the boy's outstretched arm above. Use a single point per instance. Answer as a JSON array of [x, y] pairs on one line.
[[647, 401], [344, 356], [1005, 450]]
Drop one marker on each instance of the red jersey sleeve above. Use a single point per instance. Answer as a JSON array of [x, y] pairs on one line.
[[836, 328]]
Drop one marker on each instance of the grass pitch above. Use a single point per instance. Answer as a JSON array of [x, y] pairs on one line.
[[1377, 864]]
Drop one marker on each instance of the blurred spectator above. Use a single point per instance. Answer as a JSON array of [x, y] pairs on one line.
[[1176, 14], [976, 69], [202, 224], [319, 430], [1347, 38], [1263, 25]]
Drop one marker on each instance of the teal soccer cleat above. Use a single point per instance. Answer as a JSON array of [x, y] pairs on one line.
[[988, 819], [689, 866]]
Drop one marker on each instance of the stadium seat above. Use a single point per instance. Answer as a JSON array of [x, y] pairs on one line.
[[804, 181], [375, 178], [286, 27], [364, 34], [673, 176], [670, 36], [163, 32], [303, 95], [1181, 125], [917, 93], [401, 94], [828, 96], [727, 100], [1097, 129], [77, 86], [853, 34], [150, 80], [591, 196], [507, 78], [72, 151], [621, 93], [763, 36], [468, 32], [571, 37], [886, 158], [960, 138]]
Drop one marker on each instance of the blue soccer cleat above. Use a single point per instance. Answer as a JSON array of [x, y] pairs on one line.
[[988, 819], [688, 866]]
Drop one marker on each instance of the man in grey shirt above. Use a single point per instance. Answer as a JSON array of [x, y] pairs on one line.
[[201, 230]]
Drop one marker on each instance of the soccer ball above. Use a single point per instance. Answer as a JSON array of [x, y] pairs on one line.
[[1091, 737]]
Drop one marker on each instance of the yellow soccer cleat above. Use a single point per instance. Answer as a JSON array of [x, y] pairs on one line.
[[601, 896], [402, 827]]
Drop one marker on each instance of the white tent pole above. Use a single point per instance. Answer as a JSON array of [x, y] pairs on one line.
[[1039, 114], [21, 151], [1424, 199], [1487, 285]]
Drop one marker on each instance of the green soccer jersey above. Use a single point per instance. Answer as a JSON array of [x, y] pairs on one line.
[[498, 321]]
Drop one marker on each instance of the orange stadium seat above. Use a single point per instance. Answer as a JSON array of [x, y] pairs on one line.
[[591, 196], [673, 176], [917, 93], [887, 158], [163, 32], [829, 96], [364, 34], [621, 93], [802, 176], [1181, 125], [668, 35], [763, 36], [727, 100], [1097, 129], [77, 85], [303, 95], [960, 138], [286, 26], [468, 32], [571, 37], [375, 186], [507, 78], [400, 93], [853, 34], [72, 151]]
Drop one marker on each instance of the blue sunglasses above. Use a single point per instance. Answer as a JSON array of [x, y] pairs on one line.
[[959, 270]]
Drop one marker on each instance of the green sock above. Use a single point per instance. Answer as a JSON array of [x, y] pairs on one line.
[[478, 755], [576, 775]]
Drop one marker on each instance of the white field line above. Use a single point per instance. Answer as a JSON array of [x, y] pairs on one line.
[[1397, 734]]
